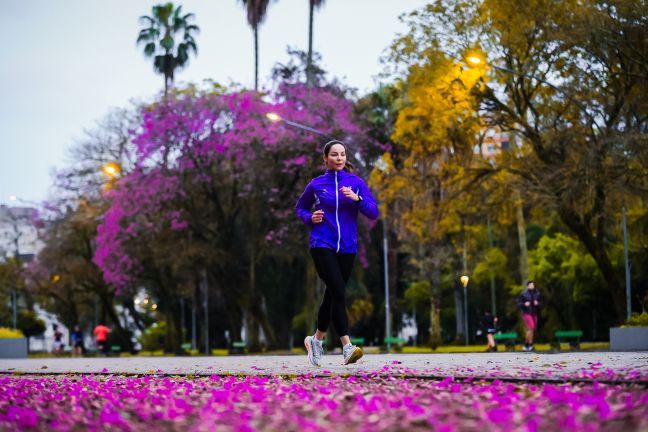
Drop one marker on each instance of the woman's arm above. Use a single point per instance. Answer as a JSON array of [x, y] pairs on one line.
[[367, 204], [304, 205]]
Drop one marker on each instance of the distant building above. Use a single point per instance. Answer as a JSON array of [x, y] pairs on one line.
[[18, 232], [494, 142]]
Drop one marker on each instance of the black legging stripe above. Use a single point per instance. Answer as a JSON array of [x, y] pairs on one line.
[[334, 269]]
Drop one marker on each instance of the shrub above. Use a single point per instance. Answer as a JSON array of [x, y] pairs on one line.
[[30, 324], [7, 333], [153, 338], [638, 320]]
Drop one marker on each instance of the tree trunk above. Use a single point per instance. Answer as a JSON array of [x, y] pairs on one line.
[[598, 252], [256, 58], [491, 273], [172, 341], [309, 63], [521, 228], [254, 344], [173, 331]]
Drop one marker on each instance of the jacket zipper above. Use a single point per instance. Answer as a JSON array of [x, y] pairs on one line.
[[337, 221]]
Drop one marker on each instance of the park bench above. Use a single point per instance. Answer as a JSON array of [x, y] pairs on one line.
[[395, 343], [399, 342], [359, 341], [571, 336], [115, 349], [238, 347], [186, 347], [508, 339]]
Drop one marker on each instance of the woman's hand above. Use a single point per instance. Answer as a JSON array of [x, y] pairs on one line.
[[318, 216], [348, 192]]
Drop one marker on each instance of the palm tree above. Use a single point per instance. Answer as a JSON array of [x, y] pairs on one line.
[[163, 27], [314, 4], [256, 12]]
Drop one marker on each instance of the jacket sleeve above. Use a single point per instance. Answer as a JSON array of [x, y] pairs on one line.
[[367, 205], [304, 205], [521, 299]]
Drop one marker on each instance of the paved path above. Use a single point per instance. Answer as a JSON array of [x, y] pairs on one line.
[[585, 365]]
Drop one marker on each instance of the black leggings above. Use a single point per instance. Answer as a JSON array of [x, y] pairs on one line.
[[334, 269]]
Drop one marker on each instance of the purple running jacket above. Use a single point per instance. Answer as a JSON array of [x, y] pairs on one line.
[[339, 229]]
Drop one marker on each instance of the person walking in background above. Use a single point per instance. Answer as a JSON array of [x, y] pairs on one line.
[[489, 324], [529, 304], [101, 338], [329, 206], [58, 345], [77, 342]]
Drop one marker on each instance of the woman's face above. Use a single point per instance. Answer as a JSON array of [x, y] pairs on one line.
[[336, 158]]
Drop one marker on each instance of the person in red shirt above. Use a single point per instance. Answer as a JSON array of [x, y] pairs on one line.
[[101, 337]]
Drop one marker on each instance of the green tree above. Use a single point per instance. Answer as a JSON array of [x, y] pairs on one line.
[[580, 146], [168, 38], [256, 13], [30, 324], [567, 276], [11, 280]]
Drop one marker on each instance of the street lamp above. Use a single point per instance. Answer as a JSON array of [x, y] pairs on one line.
[[474, 60], [464, 281], [274, 117], [111, 169]]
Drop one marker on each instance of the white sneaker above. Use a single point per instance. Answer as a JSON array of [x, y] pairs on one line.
[[351, 354], [314, 349]]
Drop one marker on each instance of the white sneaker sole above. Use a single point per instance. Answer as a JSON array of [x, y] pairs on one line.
[[309, 350], [354, 357]]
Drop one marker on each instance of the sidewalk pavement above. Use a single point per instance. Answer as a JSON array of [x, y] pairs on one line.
[[603, 366]]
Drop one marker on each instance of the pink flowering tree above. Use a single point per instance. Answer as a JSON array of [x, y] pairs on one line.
[[213, 193]]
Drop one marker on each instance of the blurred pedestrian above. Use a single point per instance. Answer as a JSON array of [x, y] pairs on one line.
[[77, 342], [329, 206], [101, 338], [529, 303], [58, 344], [489, 324]]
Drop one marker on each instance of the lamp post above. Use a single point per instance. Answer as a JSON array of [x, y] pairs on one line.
[[464, 281], [386, 266], [275, 118]]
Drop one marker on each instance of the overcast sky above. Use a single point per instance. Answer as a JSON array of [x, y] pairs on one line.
[[66, 63]]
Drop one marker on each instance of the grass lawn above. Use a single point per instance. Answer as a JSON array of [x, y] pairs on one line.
[[482, 348]]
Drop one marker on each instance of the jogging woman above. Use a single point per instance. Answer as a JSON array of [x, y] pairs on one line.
[[329, 206]]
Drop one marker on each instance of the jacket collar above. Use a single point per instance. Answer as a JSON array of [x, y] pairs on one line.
[[331, 173]]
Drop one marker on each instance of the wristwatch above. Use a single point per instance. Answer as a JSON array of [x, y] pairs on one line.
[[359, 199]]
